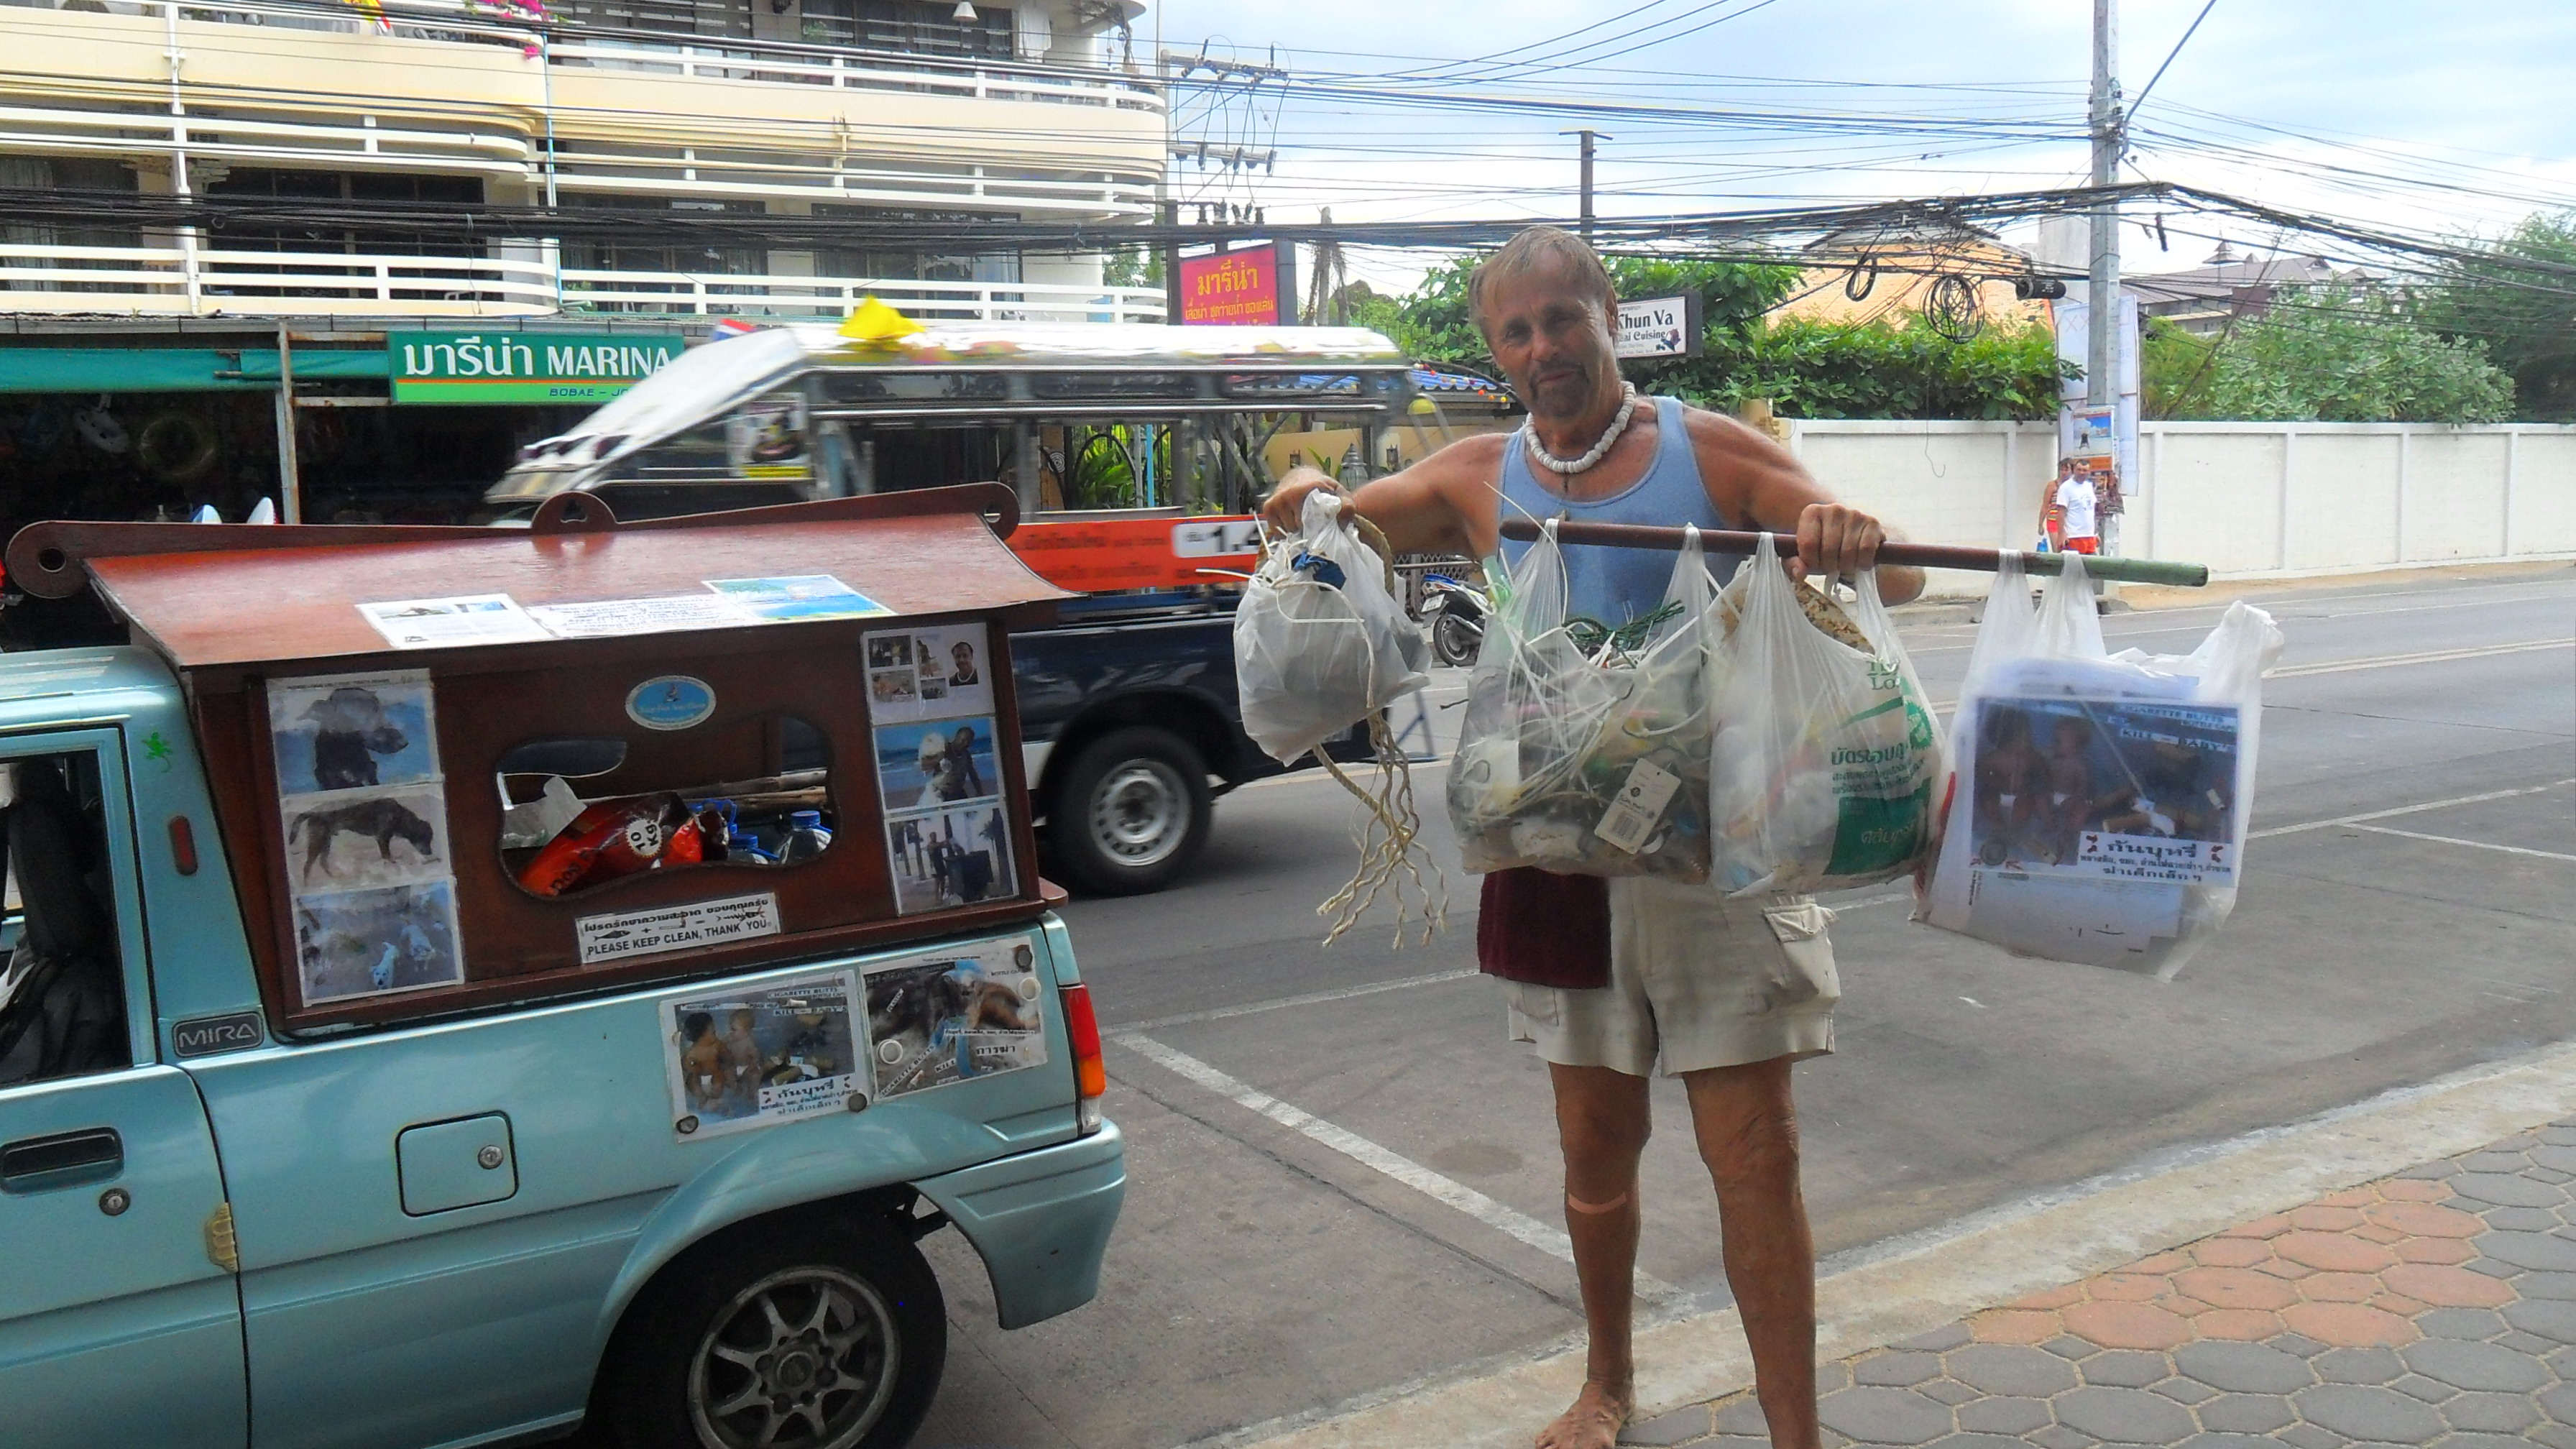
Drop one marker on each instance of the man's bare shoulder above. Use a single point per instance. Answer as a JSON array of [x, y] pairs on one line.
[[1479, 454], [1716, 431]]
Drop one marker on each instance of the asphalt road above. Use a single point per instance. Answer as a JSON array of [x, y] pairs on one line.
[[1344, 1180]]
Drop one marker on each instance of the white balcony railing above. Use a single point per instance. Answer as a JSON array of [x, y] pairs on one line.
[[703, 295], [180, 281], [206, 281]]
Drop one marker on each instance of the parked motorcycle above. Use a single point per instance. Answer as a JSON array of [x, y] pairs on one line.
[[1455, 612]]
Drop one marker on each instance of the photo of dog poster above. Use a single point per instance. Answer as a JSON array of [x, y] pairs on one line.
[[377, 942], [351, 731], [760, 1056], [944, 1018], [362, 814], [949, 673], [947, 858], [349, 839]]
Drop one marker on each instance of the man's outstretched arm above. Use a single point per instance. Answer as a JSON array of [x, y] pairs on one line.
[[1426, 508]]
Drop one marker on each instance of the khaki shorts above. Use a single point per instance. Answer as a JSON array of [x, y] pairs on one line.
[[1696, 981]]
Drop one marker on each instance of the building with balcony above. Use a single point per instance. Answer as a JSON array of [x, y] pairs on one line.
[[384, 167]]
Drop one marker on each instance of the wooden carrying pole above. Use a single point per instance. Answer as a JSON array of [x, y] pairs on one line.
[[1920, 555]]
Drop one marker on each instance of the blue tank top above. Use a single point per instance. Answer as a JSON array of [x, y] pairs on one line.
[[1615, 585]]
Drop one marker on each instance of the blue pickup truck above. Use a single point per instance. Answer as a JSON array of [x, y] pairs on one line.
[[318, 1128]]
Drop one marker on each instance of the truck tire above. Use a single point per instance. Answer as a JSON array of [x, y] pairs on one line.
[[1132, 812], [818, 1334]]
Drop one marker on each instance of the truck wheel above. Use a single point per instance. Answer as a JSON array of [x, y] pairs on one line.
[[817, 1336], [1133, 811]]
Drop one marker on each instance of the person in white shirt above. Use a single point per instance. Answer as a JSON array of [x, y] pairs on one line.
[[2073, 504]]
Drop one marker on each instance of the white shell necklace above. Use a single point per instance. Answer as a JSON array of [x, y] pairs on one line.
[[1565, 467]]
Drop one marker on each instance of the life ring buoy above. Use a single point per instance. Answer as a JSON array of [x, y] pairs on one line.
[[176, 446]]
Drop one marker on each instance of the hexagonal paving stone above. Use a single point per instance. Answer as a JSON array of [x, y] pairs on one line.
[[1885, 1416], [2126, 1370], [2475, 1366], [2227, 1441], [1939, 1340], [2358, 1366], [2426, 1220], [1948, 1391], [2444, 1286], [2551, 1318], [2348, 1324], [2533, 1251], [1896, 1370], [2333, 1252], [2244, 1368], [2124, 1416], [2504, 1191], [2430, 1390], [2522, 1220], [2493, 1160], [2235, 1288], [2185, 1391], [2128, 1325], [2546, 1285], [2246, 1413], [2010, 1369], [2491, 1413], [2485, 1441], [1978, 1441], [2474, 1324], [2057, 1436], [1681, 1426], [2309, 1436], [2360, 1411], [2003, 1416], [2560, 1403]]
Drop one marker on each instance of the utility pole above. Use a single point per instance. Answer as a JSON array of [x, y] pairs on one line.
[[2102, 296], [1589, 136]]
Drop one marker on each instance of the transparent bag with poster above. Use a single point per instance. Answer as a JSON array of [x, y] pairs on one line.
[[2098, 812]]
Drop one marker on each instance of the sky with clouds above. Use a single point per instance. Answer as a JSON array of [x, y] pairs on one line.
[[2433, 118]]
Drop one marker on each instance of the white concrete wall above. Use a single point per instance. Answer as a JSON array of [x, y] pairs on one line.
[[2251, 500]]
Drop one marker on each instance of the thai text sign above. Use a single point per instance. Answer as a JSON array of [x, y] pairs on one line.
[[1099, 555], [529, 367], [1660, 327], [1237, 288]]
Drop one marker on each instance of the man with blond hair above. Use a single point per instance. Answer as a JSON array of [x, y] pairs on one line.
[[1610, 978]]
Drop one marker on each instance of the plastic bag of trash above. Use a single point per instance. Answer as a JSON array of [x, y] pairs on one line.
[[1826, 753], [1320, 643], [1585, 748], [2098, 814]]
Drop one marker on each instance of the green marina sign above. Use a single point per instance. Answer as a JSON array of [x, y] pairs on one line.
[[523, 367]]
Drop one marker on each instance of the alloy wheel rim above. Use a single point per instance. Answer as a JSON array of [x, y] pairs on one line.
[[1137, 812], [803, 1359]]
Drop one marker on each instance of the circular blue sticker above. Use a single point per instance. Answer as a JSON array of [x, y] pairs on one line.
[[670, 702]]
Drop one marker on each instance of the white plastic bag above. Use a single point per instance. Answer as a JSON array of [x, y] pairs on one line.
[[1586, 755], [2099, 811], [1320, 643], [1825, 756]]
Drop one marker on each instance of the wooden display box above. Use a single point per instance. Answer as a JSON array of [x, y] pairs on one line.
[[361, 788]]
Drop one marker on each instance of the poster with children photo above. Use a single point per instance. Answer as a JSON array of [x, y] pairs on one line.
[[345, 840], [936, 1020], [951, 673], [376, 942], [753, 1058], [2106, 788], [349, 732], [893, 688]]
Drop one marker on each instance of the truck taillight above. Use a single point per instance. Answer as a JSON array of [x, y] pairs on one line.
[[1090, 1072]]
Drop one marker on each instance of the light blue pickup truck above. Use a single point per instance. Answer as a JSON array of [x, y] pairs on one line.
[[318, 1128]]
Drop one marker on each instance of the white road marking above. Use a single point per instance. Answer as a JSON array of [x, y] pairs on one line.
[[1311, 998], [2342, 820], [2478, 844], [2430, 656], [1509, 1222]]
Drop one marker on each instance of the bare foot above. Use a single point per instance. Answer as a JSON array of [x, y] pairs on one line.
[[1599, 1413]]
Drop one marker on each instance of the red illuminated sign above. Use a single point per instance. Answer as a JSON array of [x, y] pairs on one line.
[[1237, 288]]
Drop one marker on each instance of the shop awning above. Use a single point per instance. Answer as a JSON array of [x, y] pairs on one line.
[[175, 369]]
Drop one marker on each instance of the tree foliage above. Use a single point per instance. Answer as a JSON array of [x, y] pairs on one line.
[[2338, 352], [2518, 297], [1805, 368]]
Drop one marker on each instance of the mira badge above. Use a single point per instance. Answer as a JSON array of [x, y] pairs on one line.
[[670, 702]]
